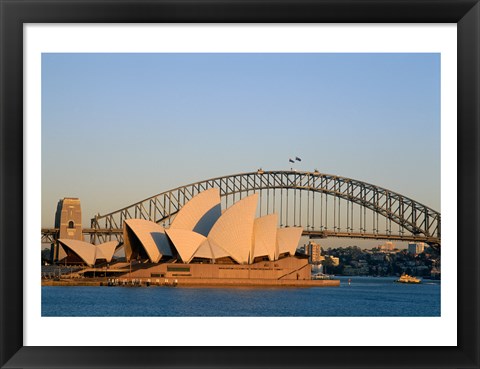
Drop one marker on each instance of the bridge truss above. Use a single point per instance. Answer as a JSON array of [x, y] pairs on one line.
[[324, 205]]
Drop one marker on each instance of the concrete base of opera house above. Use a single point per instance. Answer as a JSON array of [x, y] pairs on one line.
[[200, 283], [290, 271]]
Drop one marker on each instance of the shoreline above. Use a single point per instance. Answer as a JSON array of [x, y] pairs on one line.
[[195, 282]]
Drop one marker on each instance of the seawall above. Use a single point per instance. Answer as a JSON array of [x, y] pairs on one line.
[[199, 282]]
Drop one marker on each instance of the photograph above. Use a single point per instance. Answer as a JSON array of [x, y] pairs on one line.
[[241, 184]]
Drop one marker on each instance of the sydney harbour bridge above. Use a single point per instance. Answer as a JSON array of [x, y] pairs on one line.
[[324, 205]]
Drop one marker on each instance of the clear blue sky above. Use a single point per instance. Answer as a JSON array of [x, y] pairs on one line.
[[117, 128]]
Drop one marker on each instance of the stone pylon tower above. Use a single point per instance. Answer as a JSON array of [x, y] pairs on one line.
[[68, 219]]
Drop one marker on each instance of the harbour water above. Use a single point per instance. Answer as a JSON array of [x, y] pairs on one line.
[[363, 296]]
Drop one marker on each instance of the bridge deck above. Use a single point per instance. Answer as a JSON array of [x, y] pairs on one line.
[[311, 234]]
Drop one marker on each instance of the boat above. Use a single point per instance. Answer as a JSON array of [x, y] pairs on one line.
[[405, 278], [321, 276]]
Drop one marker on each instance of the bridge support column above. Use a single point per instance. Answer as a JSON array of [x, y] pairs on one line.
[[68, 218]]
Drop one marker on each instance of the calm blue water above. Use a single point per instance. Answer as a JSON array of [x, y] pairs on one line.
[[365, 296]]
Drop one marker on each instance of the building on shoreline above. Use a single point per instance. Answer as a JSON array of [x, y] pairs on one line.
[[202, 244], [201, 234], [416, 247]]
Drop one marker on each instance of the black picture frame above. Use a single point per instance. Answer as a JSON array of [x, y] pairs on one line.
[[15, 13]]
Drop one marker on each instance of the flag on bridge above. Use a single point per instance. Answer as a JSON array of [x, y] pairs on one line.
[[297, 158], [291, 161]]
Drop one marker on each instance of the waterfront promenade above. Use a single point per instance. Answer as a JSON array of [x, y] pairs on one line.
[[195, 282]]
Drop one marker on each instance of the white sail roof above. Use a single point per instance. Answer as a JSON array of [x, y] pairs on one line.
[[210, 250], [217, 251], [61, 252], [85, 250], [264, 237], [200, 213], [151, 235], [204, 251], [106, 250], [234, 229], [201, 229], [186, 242], [88, 252], [287, 240]]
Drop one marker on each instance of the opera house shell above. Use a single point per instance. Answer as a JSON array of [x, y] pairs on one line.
[[203, 246], [201, 233], [79, 252]]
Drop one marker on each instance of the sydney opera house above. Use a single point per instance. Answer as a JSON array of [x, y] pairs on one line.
[[202, 244]]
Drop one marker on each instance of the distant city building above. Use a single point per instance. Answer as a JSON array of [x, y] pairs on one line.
[[378, 257], [387, 246], [435, 273], [416, 247], [333, 259], [315, 253]]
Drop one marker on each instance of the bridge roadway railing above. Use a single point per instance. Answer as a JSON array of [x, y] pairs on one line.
[[104, 235], [355, 207]]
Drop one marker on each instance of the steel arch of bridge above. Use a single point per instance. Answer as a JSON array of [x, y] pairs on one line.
[[365, 206]]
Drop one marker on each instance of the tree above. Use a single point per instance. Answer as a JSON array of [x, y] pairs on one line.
[[46, 255]]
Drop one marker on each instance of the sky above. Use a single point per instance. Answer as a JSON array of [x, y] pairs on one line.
[[118, 128]]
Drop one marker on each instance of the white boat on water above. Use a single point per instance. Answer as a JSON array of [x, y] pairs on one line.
[[322, 276]]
